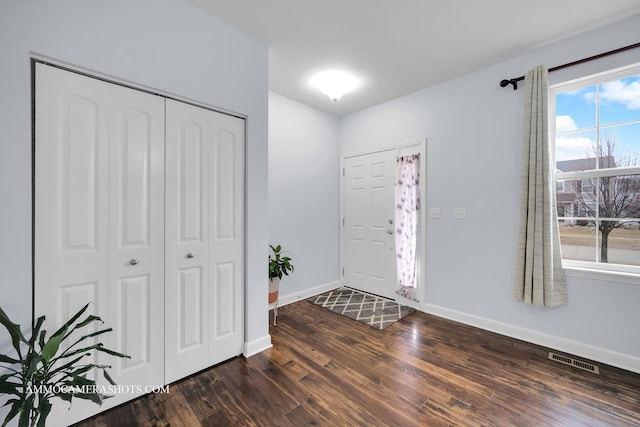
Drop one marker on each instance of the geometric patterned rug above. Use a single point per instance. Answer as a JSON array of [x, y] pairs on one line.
[[371, 310]]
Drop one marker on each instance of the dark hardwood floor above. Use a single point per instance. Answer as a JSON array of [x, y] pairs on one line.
[[327, 370]]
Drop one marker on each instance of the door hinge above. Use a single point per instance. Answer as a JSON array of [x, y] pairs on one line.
[[343, 271], [343, 222], [342, 171]]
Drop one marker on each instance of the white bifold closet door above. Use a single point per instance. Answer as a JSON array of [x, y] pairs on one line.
[[204, 233], [99, 223], [138, 209]]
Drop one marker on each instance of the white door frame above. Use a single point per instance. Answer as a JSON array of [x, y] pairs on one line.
[[410, 147]]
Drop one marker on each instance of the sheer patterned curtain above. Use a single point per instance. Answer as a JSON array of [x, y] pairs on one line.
[[407, 198], [539, 276]]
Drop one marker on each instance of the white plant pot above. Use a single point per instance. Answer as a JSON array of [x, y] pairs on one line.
[[274, 288]]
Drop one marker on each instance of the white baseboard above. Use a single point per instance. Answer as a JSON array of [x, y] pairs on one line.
[[597, 354], [254, 347], [307, 293]]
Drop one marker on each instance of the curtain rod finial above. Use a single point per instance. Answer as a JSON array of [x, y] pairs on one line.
[[506, 82]]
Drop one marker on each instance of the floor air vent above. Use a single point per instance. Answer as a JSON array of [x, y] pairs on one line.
[[585, 366]]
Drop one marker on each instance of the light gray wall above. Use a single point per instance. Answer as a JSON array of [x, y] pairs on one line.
[[304, 181], [167, 45], [473, 130]]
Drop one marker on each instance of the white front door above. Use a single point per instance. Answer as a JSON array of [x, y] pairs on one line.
[[204, 232], [368, 209], [99, 224]]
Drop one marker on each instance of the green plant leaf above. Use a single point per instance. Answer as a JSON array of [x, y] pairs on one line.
[[79, 351], [7, 359], [71, 321], [26, 410], [90, 319], [66, 397], [91, 335], [111, 352], [36, 331], [7, 387], [82, 370], [44, 408], [67, 365], [15, 410], [14, 331], [43, 336], [108, 377], [51, 346], [84, 323], [31, 364]]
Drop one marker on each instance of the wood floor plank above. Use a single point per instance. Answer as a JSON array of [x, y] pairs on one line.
[[327, 370]]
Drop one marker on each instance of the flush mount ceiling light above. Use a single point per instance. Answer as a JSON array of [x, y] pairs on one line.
[[334, 83]]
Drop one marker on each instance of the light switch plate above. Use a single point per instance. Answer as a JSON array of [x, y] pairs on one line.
[[460, 213]]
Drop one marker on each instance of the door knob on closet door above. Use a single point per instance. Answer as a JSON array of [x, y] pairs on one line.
[[134, 261], [390, 231], [190, 255]]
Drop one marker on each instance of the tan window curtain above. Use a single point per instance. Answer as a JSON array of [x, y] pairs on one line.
[[539, 276]]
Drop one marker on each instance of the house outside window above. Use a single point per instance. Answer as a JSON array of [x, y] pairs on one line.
[[597, 149]]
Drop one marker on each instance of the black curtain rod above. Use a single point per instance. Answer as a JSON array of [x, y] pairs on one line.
[[515, 81]]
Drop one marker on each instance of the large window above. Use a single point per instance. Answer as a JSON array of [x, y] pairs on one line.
[[597, 146]]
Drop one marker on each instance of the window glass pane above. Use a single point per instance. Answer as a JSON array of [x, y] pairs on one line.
[[578, 242], [576, 200], [597, 134], [620, 242], [620, 100], [575, 151], [622, 144], [619, 196], [576, 109]]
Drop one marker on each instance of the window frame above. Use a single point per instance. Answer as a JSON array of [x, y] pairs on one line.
[[591, 268]]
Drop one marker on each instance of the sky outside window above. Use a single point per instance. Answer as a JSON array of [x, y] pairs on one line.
[[576, 118]]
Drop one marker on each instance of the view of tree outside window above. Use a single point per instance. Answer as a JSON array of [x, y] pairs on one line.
[[597, 140]]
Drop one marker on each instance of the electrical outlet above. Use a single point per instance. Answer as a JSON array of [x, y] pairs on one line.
[[460, 213], [434, 213]]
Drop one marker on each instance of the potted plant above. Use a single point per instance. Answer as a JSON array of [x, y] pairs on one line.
[[278, 265], [42, 370]]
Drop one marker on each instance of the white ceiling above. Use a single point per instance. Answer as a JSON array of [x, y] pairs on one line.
[[400, 46]]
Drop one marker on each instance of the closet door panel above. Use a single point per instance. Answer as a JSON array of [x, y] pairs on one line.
[[99, 202], [71, 224], [227, 238], [134, 317], [191, 185], [78, 174], [190, 309], [187, 240], [225, 296], [205, 238], [136, 224], [71, 196], [134, 177]]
